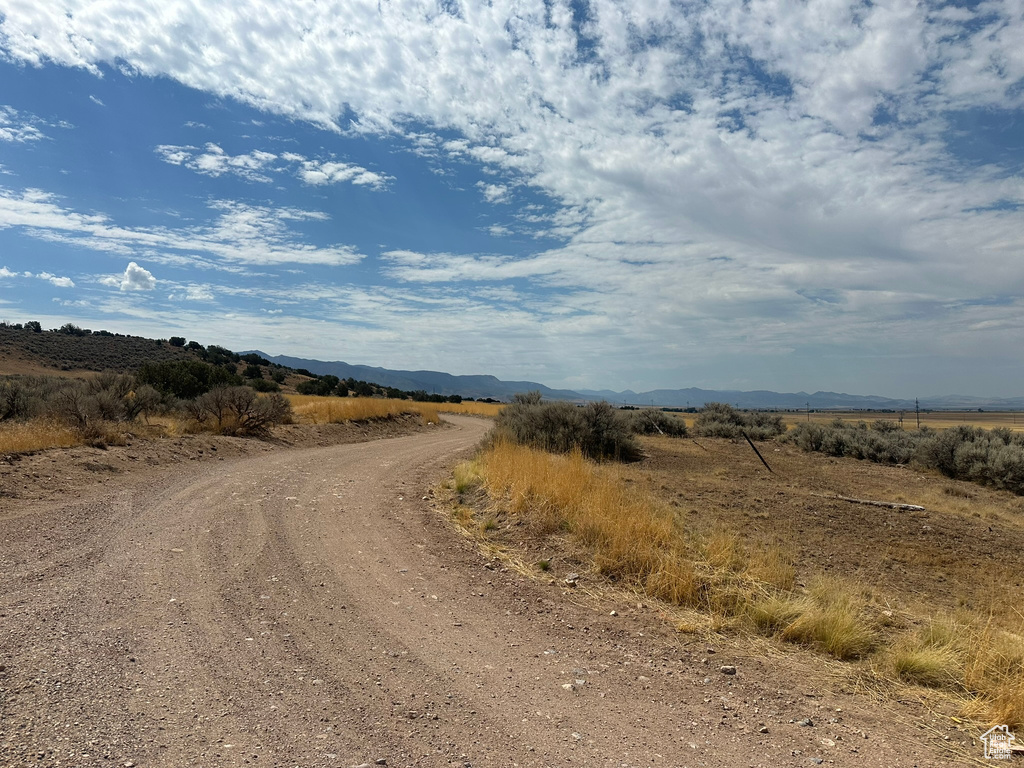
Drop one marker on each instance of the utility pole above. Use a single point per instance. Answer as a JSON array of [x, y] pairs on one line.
[[917, 410], [808, 411]]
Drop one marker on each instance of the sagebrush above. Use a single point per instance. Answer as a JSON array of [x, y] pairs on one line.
[[722, 420], [987, 456], [597, 430]]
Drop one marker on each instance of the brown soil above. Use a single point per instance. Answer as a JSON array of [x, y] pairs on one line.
[[174, 605], [966, 549]]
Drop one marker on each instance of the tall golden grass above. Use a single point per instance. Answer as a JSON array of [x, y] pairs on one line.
[[37, 435], [637, 540], [630, 535], [472, 408], [313, 409]]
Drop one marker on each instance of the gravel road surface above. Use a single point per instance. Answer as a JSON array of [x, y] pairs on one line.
[[309, 607]]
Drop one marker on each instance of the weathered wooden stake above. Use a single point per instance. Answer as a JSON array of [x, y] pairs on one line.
[[751, 442]]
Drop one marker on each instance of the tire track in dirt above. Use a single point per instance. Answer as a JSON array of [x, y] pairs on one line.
[[308, 608]]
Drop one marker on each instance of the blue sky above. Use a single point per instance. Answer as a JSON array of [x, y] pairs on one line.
[[737, 194]]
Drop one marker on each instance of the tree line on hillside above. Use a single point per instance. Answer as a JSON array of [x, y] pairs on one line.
[[327, 385], [214, 388]]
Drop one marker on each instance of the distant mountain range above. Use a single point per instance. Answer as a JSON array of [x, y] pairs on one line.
[[490, 386], [434, 382]]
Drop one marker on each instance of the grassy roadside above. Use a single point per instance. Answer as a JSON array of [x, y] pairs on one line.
[[314, 409], [37, 435], [41, 433], [973, 656]]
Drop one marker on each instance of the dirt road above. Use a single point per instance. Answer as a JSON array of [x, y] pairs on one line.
[[310, 608]]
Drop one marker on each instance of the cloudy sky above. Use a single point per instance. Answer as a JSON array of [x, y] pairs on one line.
[[648, 193]]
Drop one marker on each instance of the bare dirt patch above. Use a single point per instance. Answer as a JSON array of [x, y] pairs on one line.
[[966, 549]]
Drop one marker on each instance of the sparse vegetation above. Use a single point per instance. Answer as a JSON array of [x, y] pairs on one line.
[[238, 411], [334, 410], [636, 540], [654, 421], [36, 435], [992, 457], [53, 408], [597, 430], [722, 420], [79, 349]]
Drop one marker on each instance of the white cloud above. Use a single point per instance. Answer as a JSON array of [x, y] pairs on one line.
[[493, 193], [60, 282], [96, 100], [255, 165], [239, 233], [15, 126], [726, 166], [193, 292], [199, 293], [214, 161], [56, 280], [318, 173], [135, 278], [5, 272]]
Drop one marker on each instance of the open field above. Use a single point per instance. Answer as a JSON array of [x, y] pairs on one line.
[[933, 419], [925, 600], [314, 409]]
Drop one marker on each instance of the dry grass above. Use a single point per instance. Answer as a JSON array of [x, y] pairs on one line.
[[639, 541], [42, 434], [832, 618], [311, 409], [471, 408], [934, 419], [632, 538], [37, 435]]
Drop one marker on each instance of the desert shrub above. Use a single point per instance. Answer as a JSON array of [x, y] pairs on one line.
[[92, 410], [651, 421], [17, 401], [322, 387], [988, 457], [185, 379], [939, 451], [239, 410], [722, 420], [596, 429], [264, 385], [118, 397], [880, 443]]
